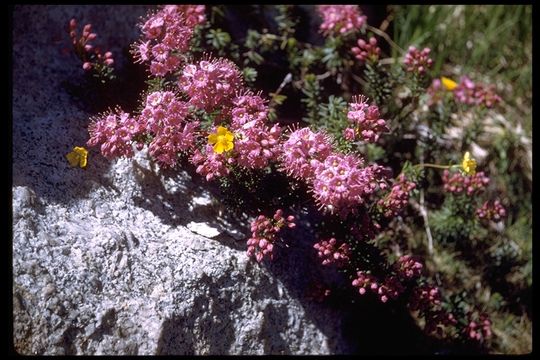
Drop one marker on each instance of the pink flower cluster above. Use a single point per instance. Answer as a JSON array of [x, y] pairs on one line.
[[479, 328], [210, 164], [330, 253], [491, 211], [257, 144], [390, 288], [164, 117], [367, 51], [398, 198], [340, 19], [211, 84], [468, 92], [425, 298], [366, 119], [408, 268], [264, 233], [89, 55], [302, 150], [114, 131], [167, 35], [342, 183], [365, 281], [417, 61], [459, 183]]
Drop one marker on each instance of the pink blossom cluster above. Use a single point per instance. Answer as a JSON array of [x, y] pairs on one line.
[[264, 233], [390, 288], [302, 150], [90, 55], [424, 298], [167, 35], [398, 198], [367, 51], [468, 92], [210, 164], [365, 281], [458, 183], [114, 131], [164, 117], [257, 144], [409, 268], [366, 119], [341, 183], [479, 329], [211, 84], [491, 211], [330, 253], [417, 61], [340, 19]]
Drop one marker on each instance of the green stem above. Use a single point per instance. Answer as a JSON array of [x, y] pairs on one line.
[[436, 166]]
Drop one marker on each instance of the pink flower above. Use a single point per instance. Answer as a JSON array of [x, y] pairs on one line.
[[459, 183], [340, 19], [349, 134], [391, 288], [470, 93], [365, 281], [341, 183], [366, 119], [367, 51], [479, 327], [302, 150], [257, 146], [409, 268], [167, 34], [248, 111], [164, 117], [398, 198], [424, 298], [211, 164], [264, 234], [211, 84], [87, 53], [114, 131], [491, 211], [330, 253], [417, 61]]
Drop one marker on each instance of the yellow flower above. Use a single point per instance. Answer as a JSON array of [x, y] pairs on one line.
[[222, 140], [78, 157], [448, 84], [468, 164]]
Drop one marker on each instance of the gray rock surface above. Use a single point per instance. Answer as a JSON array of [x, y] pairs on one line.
[[104, 261]]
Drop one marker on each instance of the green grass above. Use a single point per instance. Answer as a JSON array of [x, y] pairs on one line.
[[492, 42]]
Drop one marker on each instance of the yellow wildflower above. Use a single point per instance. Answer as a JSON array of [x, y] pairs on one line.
[[222, 139], [448, 84], [78, 157], [468, 164]]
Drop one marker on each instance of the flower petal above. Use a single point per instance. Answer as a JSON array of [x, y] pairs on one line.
[[73, 158], [212, 138], [219, 147]]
